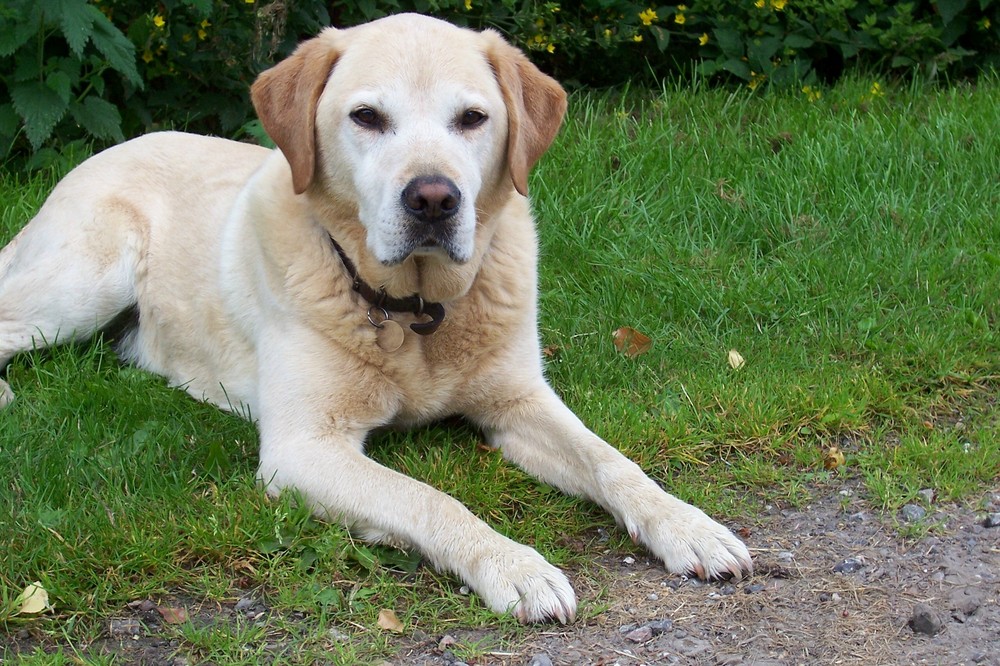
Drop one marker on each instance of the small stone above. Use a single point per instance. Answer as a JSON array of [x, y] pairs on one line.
[[640, 635], [464, 590], [927, 494], [124, 627], [965, 602], [541, 659], [786, 556], [245, 604], [629, 560], [338, 636], [653, 596], [660, 626], [446, 642], [925, 620], [850, 565], [727, 590], [992, 520], [753, 588], [913, 513], [729, 659]]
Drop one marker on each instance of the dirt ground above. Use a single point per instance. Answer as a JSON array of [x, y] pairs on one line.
[[835, 583]]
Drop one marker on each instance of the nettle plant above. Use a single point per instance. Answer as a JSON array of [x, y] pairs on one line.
[[98, 71], [58, 59]]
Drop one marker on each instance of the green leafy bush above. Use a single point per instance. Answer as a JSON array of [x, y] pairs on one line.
[[103, 69], [59, 59]]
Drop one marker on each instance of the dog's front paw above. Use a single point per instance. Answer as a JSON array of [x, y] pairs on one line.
[[688, 541], [515, 579]]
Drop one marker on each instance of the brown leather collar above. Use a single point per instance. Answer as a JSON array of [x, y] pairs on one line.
[[378, 298]]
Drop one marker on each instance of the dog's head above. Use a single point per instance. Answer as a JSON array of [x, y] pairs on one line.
[[415, 122]]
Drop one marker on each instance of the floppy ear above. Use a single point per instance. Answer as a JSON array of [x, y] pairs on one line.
[[535, 107], [285, 97]]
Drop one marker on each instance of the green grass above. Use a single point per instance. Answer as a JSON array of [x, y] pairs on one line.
[[849, 249]]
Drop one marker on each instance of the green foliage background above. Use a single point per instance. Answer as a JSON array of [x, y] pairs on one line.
[[81, 72]]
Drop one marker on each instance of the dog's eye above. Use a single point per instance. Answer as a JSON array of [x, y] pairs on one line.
[[471, 119], [368, 118]]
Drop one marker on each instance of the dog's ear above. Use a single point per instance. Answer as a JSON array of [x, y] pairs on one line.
[[285, 97], [535, 107]]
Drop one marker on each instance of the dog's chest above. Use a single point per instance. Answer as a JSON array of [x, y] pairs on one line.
[[442, 374]]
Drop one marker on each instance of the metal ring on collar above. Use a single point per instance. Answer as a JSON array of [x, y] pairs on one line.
[[385, 316]]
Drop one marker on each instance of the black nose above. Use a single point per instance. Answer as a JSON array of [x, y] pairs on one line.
[[431, 198]]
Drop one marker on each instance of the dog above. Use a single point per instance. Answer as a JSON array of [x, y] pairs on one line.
[[377, 269]]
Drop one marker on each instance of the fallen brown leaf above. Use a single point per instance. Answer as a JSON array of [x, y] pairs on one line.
[[33, 600], [387, 620], [173, 615], [834, 458], [631, 342]]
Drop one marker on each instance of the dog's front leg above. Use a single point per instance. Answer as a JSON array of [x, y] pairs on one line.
[[534, 429], [312, 440]]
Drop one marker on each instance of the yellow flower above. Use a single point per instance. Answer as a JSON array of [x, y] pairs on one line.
[[159, 21], [755, 80], [205, 23], [679, 19], [555, 9], [147, 56], [779, 4], [202, 34], [637, 38], [811, 93], [760, 4], [985, 23], [468, 5], [648, 16], [876, 90], [682, 8], [607, 33], [551, 48], [703, 39], [186, 37]]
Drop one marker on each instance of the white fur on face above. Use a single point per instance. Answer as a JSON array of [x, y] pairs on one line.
[[419, 133]]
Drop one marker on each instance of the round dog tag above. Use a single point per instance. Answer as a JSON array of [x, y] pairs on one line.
[[389, 336]]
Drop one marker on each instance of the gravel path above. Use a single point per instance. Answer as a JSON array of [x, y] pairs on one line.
[[834, 584]]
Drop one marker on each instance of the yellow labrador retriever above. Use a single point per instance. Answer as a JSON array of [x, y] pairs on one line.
[[378, 269]]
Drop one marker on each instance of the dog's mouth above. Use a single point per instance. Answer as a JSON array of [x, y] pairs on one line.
[[430, 243]]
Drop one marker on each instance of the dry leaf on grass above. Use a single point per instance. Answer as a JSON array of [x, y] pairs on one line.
[[33, 600], [631, 342], [387, 620], [834, 458], [736, 359], [173, 615]]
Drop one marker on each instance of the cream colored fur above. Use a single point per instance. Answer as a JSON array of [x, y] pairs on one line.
[[224, 248]]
